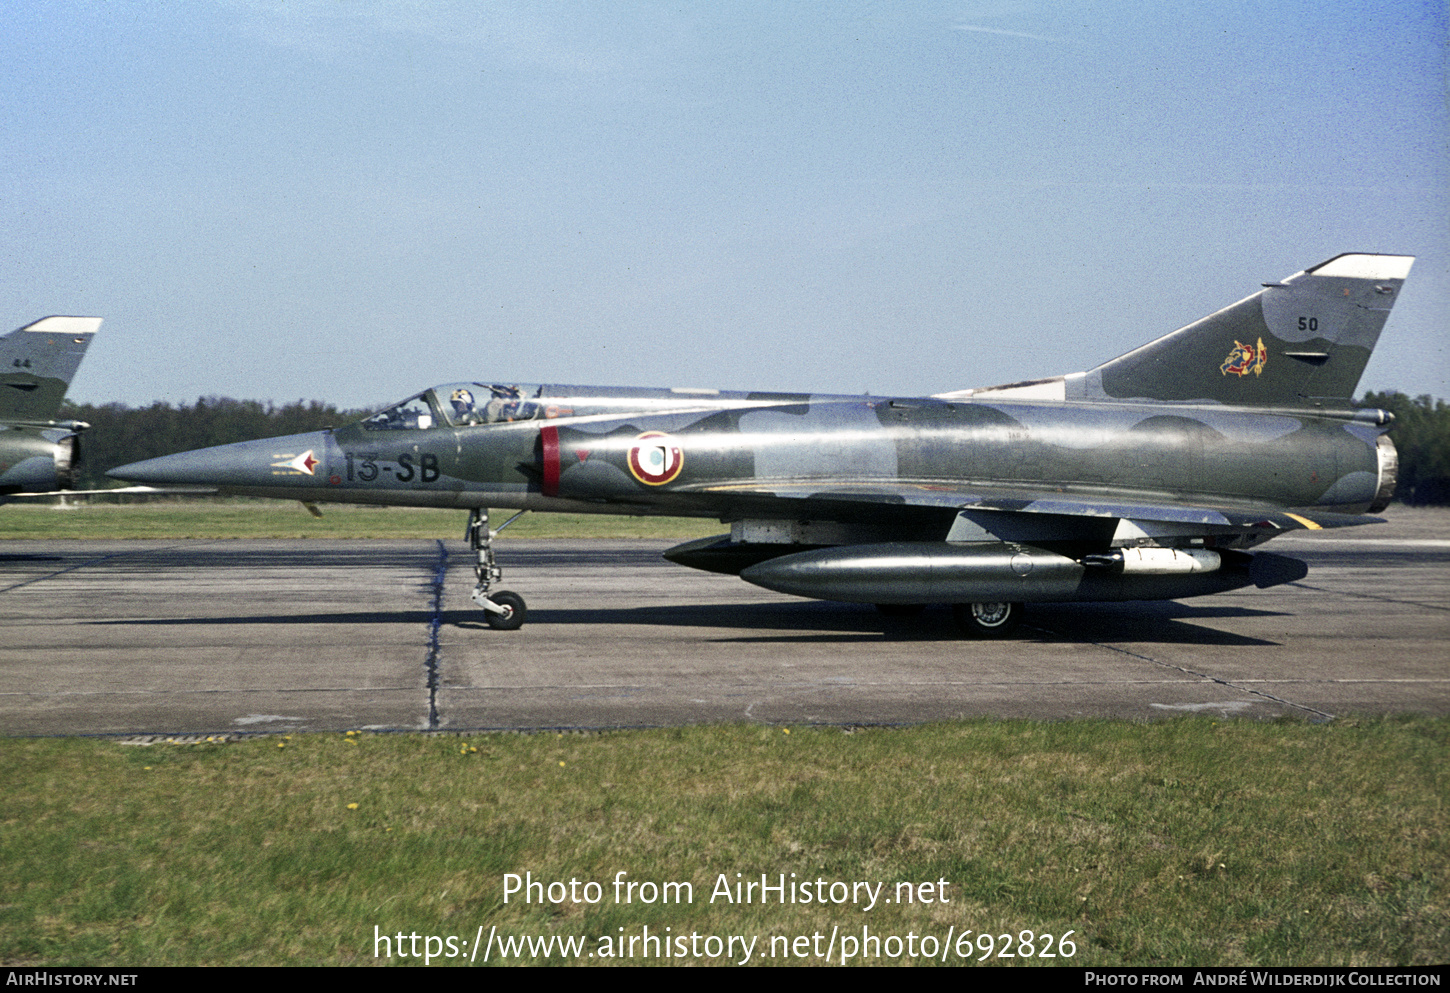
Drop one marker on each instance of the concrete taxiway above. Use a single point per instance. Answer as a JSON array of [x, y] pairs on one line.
[[223, 636]]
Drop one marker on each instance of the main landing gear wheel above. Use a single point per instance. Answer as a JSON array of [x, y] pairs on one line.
[[504, 610], [988, 620], [511, 610]]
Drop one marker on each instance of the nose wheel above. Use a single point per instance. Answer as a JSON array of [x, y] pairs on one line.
[[504, 610]]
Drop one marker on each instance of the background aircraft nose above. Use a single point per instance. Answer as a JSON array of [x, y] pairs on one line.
[[295, 459]]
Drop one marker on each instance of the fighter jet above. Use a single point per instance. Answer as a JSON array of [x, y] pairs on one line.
[[1146, 478], [37, 362]]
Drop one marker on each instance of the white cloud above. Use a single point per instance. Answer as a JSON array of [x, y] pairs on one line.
[[1012, 34]]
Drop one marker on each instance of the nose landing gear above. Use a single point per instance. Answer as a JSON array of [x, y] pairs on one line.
[[504, 610]]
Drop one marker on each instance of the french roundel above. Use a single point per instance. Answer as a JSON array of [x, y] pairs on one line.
[[655, 458]]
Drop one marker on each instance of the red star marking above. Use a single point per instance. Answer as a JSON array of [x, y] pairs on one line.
[[309, 462], [583, 453]]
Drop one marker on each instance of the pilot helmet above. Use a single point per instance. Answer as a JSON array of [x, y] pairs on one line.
[[462, 400]]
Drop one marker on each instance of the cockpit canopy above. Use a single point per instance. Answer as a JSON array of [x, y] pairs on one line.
[[459, 405]]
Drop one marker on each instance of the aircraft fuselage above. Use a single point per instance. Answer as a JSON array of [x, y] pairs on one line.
[[582, 450], [1145, 477]]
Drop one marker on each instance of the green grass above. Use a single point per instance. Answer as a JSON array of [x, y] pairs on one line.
[[214, 519], [1183, 842]]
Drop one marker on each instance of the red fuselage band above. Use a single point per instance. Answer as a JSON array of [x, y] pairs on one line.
[[550, 438]]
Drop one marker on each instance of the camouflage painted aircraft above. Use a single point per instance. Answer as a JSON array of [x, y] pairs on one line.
[[37, 362], [1145, 478]]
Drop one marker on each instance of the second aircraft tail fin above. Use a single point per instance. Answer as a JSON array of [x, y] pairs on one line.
[[37, 363]]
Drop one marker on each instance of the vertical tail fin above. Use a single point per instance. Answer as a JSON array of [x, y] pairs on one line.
[[37, 363], [1302, 342]]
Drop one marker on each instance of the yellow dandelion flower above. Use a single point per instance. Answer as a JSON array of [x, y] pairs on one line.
[[352, 806], [786, 730], [561, 765]]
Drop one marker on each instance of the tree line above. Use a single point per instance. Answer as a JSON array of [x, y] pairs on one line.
[[120, 434], [1421, 434]]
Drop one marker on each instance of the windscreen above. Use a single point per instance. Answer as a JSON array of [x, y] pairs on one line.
[[414, 414]]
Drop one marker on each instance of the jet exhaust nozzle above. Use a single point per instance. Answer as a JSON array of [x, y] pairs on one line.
[[44, 461]]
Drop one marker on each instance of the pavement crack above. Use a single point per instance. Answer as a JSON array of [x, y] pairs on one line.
[[1371, 596], [59, 572], [435, 620], [81, 565], [1201, 675]]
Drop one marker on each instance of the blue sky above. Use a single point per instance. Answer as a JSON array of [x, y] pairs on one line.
[[349, 201]]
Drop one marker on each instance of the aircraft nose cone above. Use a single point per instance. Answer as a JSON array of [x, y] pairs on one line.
[[298, 459], [170, 470]]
